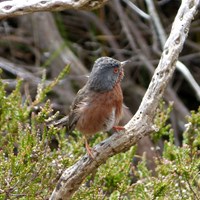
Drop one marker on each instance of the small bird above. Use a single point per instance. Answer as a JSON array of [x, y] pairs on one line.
[[98, 105]]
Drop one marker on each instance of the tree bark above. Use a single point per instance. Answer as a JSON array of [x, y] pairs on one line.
[[11, 8], [143, 121]]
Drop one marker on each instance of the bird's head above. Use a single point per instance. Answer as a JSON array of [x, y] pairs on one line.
[[106, 73]]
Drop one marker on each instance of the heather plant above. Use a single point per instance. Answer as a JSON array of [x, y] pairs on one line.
[[30, 165]]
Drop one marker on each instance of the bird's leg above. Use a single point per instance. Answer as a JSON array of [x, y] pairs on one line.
[[88, 148], [118, 128]]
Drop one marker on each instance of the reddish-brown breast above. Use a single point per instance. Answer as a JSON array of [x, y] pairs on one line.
[[100, 111]]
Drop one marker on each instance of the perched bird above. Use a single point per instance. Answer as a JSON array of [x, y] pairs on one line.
[[98, 105]]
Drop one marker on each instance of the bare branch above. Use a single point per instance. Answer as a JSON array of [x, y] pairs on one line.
[[11, 8], [18, 70], [188, 76], [162, 38], [136, 9], [142, 122]]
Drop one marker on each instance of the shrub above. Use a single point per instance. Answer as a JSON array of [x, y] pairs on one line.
[[30, 165]]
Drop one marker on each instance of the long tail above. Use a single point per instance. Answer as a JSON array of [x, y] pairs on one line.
[[61, 122]]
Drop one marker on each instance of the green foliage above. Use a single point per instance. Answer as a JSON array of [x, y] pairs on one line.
[[191, 135], [30, 164], [43, 89], [111, 179], [28, 167], [160, 121], [177, 171]]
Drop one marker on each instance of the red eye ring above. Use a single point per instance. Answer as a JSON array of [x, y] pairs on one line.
[[116, 70]]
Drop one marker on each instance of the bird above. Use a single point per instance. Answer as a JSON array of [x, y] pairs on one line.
[[97, 107]]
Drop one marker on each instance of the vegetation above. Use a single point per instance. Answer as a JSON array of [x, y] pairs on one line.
[[31, 165], [38, 47]]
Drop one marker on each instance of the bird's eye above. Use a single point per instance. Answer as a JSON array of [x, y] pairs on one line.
[[116, 70]]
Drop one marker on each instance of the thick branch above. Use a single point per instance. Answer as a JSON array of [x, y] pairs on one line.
[[11, 8], [142, 123]]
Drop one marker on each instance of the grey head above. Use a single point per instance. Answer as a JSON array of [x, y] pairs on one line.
[[106, 72]]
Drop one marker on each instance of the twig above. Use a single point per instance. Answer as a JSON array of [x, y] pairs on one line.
[[18, 71], [142, 122], [188, 76], [137, 10]]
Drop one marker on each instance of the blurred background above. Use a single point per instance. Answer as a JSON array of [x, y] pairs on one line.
[[38, 43]]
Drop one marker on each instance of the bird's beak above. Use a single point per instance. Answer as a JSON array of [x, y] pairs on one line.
[[125, 62]]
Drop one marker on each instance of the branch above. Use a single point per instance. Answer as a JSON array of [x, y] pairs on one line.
[[142, 122], [11, 8], [136, 9], [162, 37], [17, 70], [144, 54]]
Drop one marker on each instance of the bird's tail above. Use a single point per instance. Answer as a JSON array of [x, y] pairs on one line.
[[61, 122]]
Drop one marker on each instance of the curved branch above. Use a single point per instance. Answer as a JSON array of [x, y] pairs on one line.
[[142, 122], [11, 8], [162, 37]]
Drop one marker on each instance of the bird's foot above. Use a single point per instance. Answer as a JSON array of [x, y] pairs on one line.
[[89, 150], [119, 128]]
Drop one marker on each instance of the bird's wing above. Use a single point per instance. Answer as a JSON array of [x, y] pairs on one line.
[[71, 120], [79, 98], [73, 116]]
